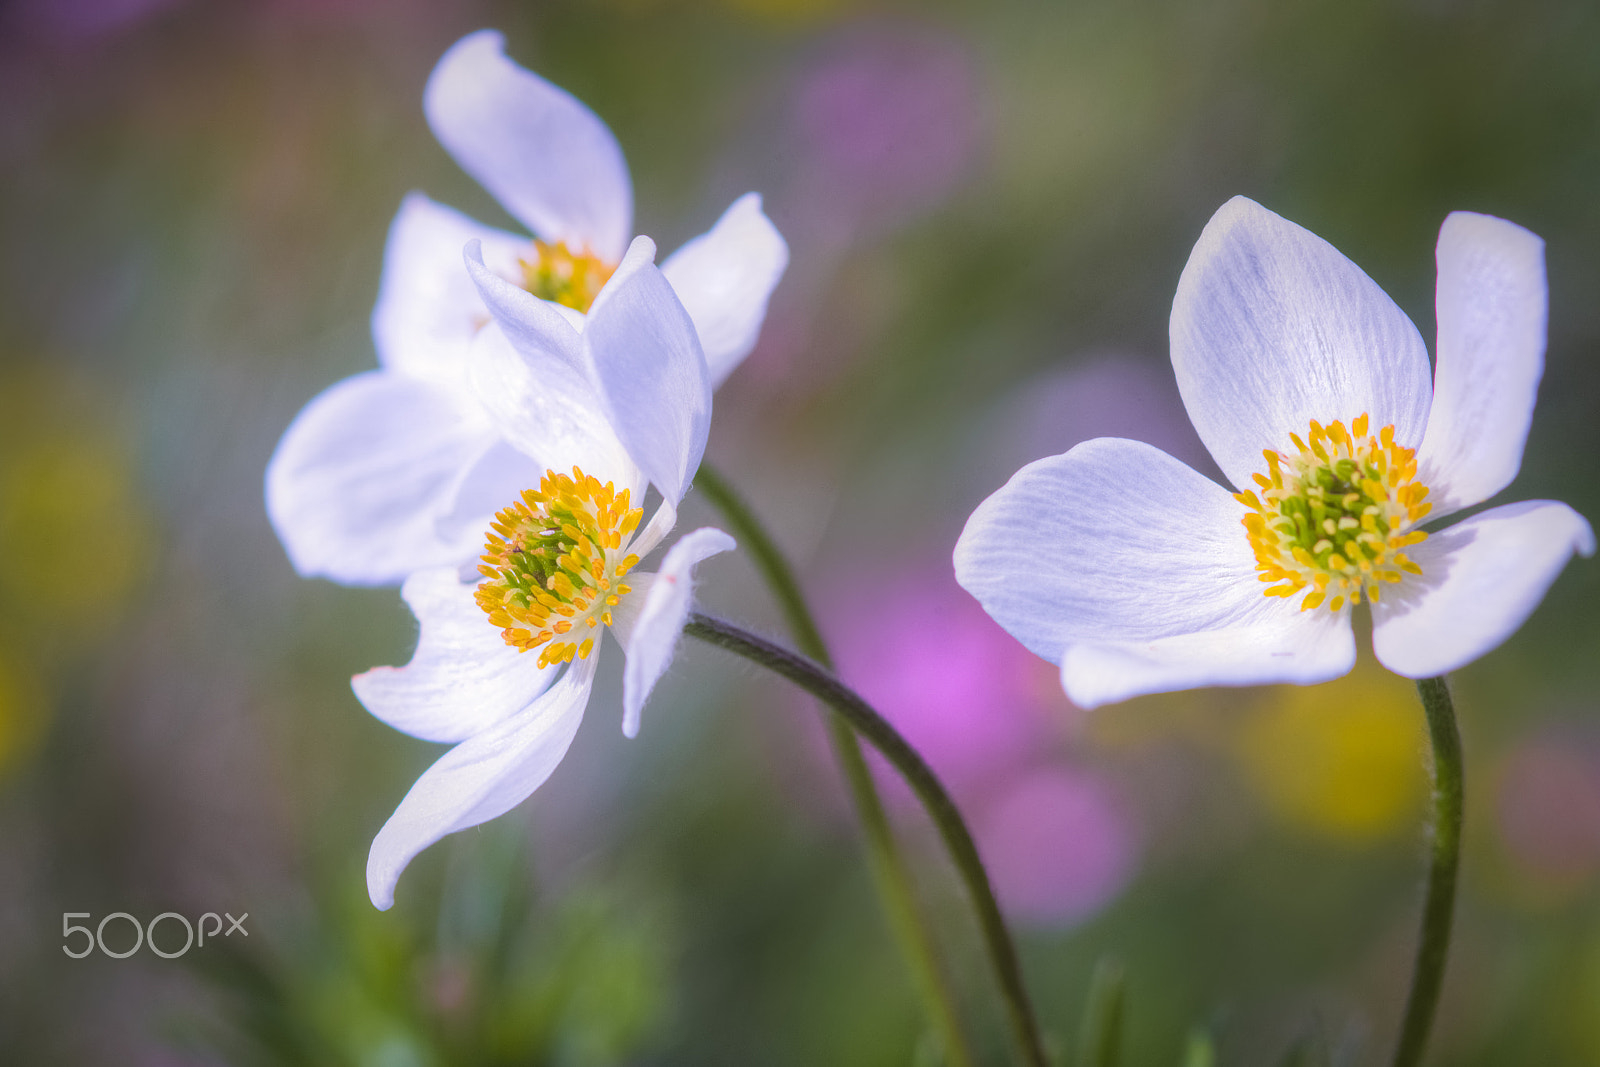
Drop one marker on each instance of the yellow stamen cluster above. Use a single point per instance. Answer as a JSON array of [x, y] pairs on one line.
[[553, 565], [1333, 520], [556, 272]]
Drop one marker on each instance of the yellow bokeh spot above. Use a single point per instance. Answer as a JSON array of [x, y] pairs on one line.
[[1343, 758], [75, 537], [23, 709]]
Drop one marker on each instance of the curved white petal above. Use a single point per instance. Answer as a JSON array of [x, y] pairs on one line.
[[357, 485], [463, 677], [483, 777], [549, 411], [724, 277], [1481, 579], [1492, 302], [655, 634], [498, 478], [545, 156], [543, 329], [1282, 644], [428, 309], [1113, 541], [650, 371], [1272, 327], [657, 527]]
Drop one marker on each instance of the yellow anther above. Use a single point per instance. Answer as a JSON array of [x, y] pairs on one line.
[[554, 563], [1334, 514], [557, 273]]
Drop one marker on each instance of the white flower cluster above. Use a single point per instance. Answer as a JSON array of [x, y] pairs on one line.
[[567, 362]]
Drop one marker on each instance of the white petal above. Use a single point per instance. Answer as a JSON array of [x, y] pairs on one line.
[[535, 326], [1272, 327], [463, 677], [1492, 302], [481, 778], [648, 365], [1481, 578], [543, 155], [363, 474], [548, 411], [724, 278], [1282, 644], [666, 608], [428, 310], [498, 477], [1113, 541]]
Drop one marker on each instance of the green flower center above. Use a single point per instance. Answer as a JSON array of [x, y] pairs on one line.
[[1334, 518], [554, 562]]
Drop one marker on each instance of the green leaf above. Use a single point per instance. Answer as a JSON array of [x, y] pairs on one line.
[[1100, 1039]]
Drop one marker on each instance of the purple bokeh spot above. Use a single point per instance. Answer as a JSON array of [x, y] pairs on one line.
[[989, 717], [891, 117], [1057, 846], [1549, 808], [967, 696]]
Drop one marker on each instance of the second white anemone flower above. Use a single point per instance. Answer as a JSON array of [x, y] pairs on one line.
[[504, 665], [1311, 390], [398, 468]]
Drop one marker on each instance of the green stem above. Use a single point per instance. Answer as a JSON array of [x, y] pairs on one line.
[[822, 684], [888, 866], [1448, 791]]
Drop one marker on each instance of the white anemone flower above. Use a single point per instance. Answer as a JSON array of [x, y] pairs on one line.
[[504, 665], [398, 468], [1311, 390]]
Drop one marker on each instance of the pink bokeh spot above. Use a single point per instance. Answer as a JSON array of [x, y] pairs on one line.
[[1057, 845], [1549, 809], [965, 695], [990, 719], [891, 113]]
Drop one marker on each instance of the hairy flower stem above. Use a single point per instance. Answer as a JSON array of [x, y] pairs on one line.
[[1448, 790], [889, 869], [821, 683]]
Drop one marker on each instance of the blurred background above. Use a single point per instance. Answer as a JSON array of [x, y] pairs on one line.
[[988, 207]]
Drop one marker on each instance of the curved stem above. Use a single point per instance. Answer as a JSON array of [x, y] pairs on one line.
[[821, 683], [769, 560], [1437, 911], [888, 865]]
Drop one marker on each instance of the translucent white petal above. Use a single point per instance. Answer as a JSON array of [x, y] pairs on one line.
[[1272, 327], [543, 155], [648, 365], [1113, 541], [428, 309], [363, 474], [463, 677], [497, 478], [546, 331], [1481, 579], [666, 607], [483, 777], [1281, 644], [659, 525], [549, 411], [724, 278], [1492, 303]]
